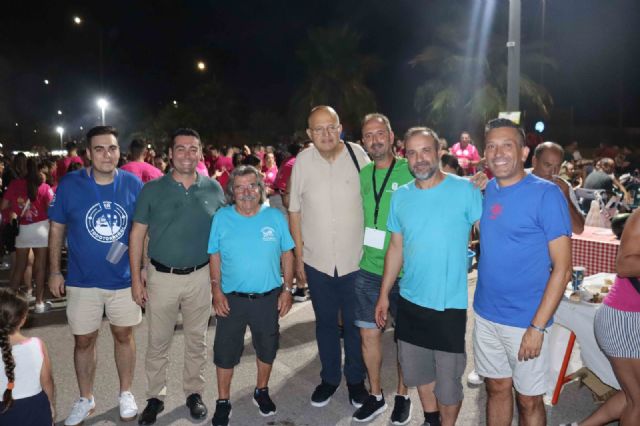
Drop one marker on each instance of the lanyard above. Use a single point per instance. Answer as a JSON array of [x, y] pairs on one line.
[[99, 197], [377, 196]]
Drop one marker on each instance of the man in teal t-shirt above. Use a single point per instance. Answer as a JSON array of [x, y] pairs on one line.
[[378, 180]]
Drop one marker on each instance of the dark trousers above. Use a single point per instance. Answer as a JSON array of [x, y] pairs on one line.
[[329, 295]]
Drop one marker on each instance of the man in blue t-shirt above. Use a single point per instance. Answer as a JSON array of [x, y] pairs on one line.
[[430, 220], [95, 207], [246, 245], [524, 268]]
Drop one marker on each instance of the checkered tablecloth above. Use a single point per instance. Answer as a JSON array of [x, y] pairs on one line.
[[595, 249]]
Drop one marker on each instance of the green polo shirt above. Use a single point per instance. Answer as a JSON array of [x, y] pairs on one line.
[[373, 258], [179, 219]]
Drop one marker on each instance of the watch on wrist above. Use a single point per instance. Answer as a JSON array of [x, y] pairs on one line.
[[291, 289]]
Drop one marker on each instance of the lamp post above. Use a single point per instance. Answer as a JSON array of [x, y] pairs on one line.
[[102, 104], [60, 131], [513, 55]]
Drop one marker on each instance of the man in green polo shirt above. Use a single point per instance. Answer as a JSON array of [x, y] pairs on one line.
[[378, 180], [175, 211]]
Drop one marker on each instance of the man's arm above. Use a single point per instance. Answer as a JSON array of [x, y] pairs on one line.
[[560, 252], [628, 262], [392, 266], [286, 298], [56, 239], [136, 248], [295, 227], [577, 219], [625, 194], [220, 302]]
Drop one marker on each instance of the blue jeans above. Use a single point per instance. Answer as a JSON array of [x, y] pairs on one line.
[[329, 295]]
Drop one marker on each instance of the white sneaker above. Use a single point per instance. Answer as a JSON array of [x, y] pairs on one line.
[[41, 308], [128, 407], [474, 378], [81, 409]]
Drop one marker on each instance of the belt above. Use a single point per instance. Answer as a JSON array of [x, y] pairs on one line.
[[253, 295], [178, 271]]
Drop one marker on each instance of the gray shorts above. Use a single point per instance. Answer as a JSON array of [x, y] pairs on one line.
[[618, 332], [421, 366], [261, 315], [367, 289]]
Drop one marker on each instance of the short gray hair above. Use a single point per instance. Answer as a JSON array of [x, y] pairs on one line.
[[244, 171], [424, 131]]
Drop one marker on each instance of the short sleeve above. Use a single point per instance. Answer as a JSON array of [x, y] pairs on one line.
[[57, 208], [393, 225], [474, 207], [143, 205], [295, 187], [286, 242], [553, 214], [10, 193], [214, 235]]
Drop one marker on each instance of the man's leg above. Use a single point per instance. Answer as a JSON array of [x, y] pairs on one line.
[[264, 372], [427, 397], [195, 305], [224, 376], [448, 391], [499, 401], [85, 358], [531, 410], [354, 368], [372, 355], [125, 355], [325, 306], [402, 389]]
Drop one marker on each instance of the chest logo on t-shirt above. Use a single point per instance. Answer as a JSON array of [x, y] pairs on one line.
[[106, 223], [268, 234], [495, 211]]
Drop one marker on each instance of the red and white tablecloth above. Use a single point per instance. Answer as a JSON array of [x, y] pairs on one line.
[[595, 249]]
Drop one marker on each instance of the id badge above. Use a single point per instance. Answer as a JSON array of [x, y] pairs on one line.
[[374, 238]]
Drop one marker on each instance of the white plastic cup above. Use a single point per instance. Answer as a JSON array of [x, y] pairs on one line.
[[116, 251]]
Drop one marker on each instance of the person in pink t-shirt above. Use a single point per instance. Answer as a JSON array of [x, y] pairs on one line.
[[223, 167], [137, 165], [270, 171], [28, 199], [617, 330], [466, 153], [62, 166]]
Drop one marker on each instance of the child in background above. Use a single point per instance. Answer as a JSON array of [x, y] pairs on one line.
[[25, 369]]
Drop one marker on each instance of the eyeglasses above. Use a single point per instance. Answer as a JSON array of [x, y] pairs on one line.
[[332, 128], [248, 187]]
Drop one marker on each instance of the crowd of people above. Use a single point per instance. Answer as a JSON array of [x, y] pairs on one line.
[[375, 230]]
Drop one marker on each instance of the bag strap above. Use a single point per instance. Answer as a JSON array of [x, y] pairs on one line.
[[635, 283], [353, 155], [25, 208]]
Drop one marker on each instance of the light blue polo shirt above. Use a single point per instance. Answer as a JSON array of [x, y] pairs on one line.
[[250, 248], [435, 224]]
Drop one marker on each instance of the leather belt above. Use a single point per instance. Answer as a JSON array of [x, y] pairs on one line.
[[254, 295], [178, 271]]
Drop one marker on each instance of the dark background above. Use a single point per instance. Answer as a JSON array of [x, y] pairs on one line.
[[150, 49]]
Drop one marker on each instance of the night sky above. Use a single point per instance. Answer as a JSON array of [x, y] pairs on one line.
[[151, 49]]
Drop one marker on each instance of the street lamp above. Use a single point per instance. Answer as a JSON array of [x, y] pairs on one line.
[[60, 131], [59, 112], [102, 104], [201, 66], [46, 82], [77, 20]]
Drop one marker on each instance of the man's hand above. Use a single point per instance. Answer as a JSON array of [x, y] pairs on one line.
[[56, 284], [301, 276], [564, 187], [220, 304], [139, 289], [382, 308], [531, 344], [284, 302], [479, 180]]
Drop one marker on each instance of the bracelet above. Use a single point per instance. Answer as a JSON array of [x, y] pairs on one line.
[[55, 273], [535, 327]]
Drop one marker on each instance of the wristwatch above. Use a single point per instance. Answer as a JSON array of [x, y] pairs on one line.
[[291, 289]]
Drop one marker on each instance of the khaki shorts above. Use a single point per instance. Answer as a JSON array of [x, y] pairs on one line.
[[86, 306]]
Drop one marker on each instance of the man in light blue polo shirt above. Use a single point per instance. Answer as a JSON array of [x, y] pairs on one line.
[[430, 220], [246, 245]]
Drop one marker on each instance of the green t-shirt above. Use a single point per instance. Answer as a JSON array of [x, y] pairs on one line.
[[179, 220], [372, 258]]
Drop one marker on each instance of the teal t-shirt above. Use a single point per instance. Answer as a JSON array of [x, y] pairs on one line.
[[250, 248], [435, 225], [373, 258]]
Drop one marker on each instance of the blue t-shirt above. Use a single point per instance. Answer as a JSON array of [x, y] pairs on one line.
[[435, 225], [518, 222], [250, 248], [96, 215]]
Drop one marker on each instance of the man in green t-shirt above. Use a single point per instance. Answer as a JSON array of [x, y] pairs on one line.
[[378, 180]]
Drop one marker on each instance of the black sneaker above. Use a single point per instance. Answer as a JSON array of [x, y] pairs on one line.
[[300, 295], [401, 414], [197, 409], [264, 403], [370, 409], [357, 394], [222, 414], [322, 394]]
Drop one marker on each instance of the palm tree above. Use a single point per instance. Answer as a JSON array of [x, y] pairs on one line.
[[335, 75], [464, 89]]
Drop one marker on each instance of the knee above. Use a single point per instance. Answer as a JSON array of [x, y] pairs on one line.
[[370, 340], [122, 335], [498, 387], [528, 404], [86, 342]]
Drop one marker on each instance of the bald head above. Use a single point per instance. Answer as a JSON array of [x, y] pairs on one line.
[[322, 110]]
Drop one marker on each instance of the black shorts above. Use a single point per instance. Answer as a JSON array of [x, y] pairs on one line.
[[261, 315]]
